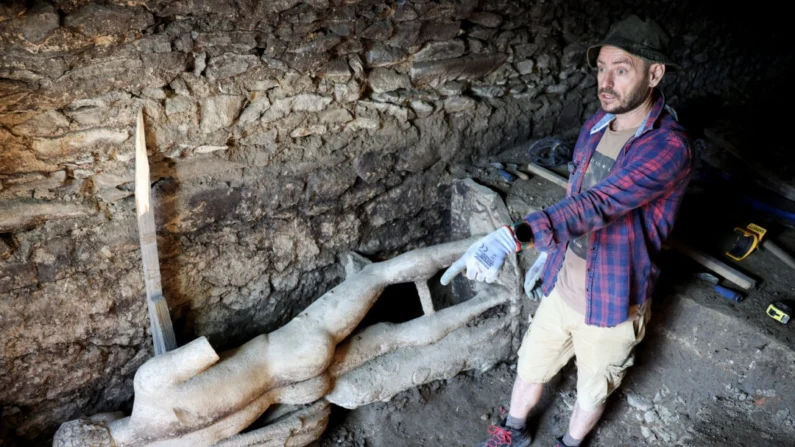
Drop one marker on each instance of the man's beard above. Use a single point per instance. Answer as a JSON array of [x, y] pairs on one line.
[[633, 100]]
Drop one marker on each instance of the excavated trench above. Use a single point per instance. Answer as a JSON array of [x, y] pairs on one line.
[[398, 303], [282, 135]]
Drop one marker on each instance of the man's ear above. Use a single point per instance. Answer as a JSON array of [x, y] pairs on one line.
[[656, 72]]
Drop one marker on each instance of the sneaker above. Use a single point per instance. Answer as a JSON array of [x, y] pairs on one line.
[[502, 435], [559, 442]]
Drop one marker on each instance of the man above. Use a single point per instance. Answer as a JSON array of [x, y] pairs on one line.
[[631, 165]]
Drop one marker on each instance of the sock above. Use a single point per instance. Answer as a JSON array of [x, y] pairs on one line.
[[516, 423], [571, 442]]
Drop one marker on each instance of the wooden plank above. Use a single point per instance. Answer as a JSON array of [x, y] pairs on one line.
[[549, 175], [779, 253], [722, 269]]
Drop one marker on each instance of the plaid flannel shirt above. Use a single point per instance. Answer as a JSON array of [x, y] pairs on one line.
[[628, 214]]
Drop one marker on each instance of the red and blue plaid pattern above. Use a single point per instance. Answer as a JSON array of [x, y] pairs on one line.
[[628, 214]]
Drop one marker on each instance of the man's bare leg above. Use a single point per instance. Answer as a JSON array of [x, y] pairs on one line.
[[583, 421], [524, 397]]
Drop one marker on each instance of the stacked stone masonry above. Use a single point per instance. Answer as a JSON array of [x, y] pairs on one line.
[[281, 134]]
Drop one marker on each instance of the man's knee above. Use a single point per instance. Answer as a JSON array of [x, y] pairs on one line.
[[542, 368], [595, 386], [591, 401], [547, 345]]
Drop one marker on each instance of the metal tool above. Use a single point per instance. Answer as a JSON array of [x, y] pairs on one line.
[[550, 152], [503, 171], [779, 312], [708, 277], [729, 294], [162, 330], [514, 169], [725, 292]]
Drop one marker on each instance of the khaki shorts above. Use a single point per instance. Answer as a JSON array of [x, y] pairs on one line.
[[603, 355]]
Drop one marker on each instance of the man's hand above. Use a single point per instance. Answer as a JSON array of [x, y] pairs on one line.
[[484, 258]]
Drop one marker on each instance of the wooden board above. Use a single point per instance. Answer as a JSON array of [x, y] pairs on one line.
[[549, 175], [722, 269]]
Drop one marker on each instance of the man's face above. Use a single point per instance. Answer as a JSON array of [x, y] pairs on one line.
[[622, 79]]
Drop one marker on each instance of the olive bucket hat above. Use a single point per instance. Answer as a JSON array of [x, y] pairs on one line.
[[633, 35]]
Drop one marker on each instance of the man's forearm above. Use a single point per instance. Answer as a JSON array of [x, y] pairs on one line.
[[650, 176]]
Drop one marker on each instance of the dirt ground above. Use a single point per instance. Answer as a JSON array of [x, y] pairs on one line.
[[696, 380], [651, 408]]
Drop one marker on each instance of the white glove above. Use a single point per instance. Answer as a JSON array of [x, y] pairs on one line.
[[484, 258], [533, 273]]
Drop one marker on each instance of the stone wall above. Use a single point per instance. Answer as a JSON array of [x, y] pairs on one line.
[[281, 133]]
